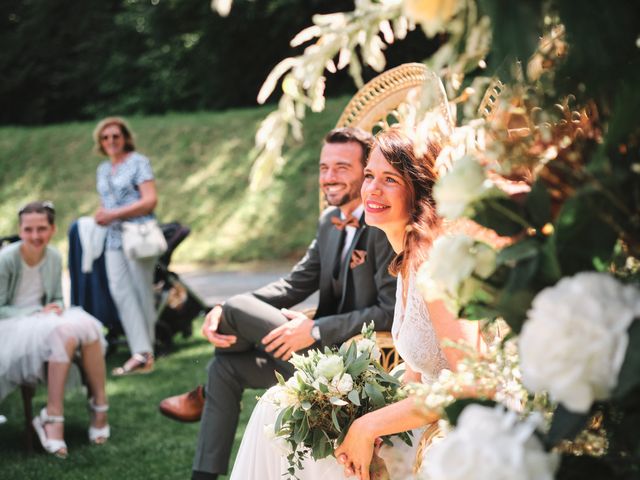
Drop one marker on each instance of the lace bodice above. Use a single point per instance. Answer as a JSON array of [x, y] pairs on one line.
[[414, 336]]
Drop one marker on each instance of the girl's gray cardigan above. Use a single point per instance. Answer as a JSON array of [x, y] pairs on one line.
[[11, 272]]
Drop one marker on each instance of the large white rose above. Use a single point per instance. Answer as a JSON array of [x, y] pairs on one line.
[[575, 338], [330, 366], [342, 384], [282, 396], [447, 274], [464, 184], [490, 444]]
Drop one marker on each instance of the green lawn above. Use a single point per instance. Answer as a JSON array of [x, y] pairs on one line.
[[144, 444], [202, 163]]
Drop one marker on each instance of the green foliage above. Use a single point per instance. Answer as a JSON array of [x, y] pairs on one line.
[[515, 29], [500, 214], [202, 163], [565, 425], [454, 410], [583, 237], [331, 390], [66, 60], [629, 377]]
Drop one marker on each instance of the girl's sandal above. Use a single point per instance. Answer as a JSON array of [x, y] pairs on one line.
[[138, 363], [50, 445], [98, 435]]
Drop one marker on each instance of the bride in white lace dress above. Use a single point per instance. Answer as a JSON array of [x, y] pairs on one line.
[[397, 196]]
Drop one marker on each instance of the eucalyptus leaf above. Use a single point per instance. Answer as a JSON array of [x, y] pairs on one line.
[[282, 417], [374, 395], [354, 397], [337, 401], [334, 420], [359, 365]]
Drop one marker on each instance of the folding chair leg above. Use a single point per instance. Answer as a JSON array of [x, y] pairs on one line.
[[28, 391]]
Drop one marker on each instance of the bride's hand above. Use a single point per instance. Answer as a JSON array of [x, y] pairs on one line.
[[356, 451]]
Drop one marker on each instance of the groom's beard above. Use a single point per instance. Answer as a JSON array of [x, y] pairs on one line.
[[352, 193]]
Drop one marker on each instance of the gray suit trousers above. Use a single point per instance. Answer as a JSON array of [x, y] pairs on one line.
[[243, 365]]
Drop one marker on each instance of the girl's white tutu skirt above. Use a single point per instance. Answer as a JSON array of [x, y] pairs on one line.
[[27, 342]]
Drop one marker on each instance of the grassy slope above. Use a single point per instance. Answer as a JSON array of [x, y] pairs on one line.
[[144, 444], [202, 163]]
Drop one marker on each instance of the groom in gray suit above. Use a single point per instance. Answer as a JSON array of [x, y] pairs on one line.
[[255, 333]]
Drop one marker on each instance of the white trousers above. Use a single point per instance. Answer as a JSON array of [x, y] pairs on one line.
[[131, 286]]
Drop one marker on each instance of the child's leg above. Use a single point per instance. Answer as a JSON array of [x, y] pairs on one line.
[[95, 372], [56, 378]]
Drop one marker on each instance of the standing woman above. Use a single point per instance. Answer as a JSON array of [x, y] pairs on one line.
[[127, 190]]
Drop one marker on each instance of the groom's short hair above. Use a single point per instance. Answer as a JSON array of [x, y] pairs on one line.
[[350, 134]]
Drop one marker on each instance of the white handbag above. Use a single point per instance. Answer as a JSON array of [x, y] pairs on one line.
[[143, 240]]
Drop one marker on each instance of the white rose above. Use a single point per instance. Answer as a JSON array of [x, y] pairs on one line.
[[283, 396], [330, 366], [369, 346], [447, 274], [342, 384], [575, 338], [490, 444], [464, 184]]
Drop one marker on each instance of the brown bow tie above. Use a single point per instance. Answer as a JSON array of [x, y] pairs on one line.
[[350, 221]]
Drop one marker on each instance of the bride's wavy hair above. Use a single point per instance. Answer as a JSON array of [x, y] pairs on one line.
[[416, 164]]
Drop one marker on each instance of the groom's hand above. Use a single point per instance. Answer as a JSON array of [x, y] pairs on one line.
[[210, 329], [294, 335]]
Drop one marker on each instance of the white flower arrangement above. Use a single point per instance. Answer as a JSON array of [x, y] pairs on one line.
[[490, 444], [457, 190], [327, 392], [453, 273], [575, 338]]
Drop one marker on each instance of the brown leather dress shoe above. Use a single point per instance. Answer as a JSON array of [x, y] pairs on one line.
[[186, 407]]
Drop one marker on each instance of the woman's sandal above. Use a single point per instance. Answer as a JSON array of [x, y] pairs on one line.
[[138, 363], [98, 435], [50, 445]]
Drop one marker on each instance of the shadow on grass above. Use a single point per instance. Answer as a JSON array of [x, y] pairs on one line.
[[144, 444]]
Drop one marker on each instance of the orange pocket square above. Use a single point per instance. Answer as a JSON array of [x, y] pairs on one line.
[[357, 258]]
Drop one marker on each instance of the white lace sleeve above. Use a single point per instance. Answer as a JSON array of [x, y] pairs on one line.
[[414, 336]]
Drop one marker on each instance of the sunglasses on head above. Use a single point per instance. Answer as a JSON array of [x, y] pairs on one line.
[[114, 136]]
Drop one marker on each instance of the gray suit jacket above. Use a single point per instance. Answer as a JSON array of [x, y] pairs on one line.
[[368, 290]]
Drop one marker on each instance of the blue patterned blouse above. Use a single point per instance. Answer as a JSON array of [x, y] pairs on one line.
[[120, 188]]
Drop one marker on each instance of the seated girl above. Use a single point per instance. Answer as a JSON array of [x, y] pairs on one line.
[[37, 331]]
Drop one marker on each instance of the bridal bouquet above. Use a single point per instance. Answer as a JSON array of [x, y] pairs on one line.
[[327, 392]]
